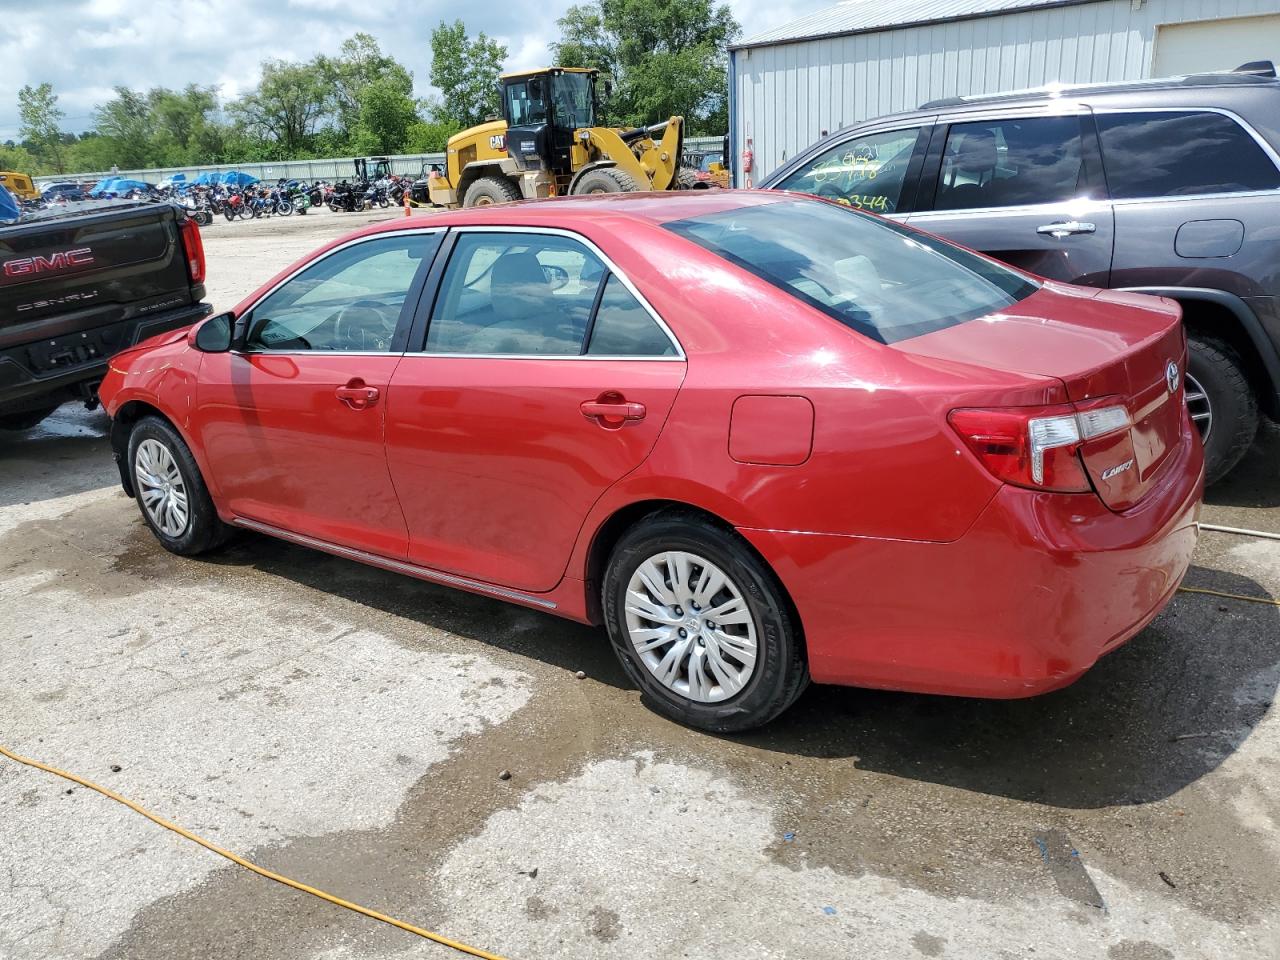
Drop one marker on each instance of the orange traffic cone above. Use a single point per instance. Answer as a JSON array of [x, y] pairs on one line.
[[407, 211]]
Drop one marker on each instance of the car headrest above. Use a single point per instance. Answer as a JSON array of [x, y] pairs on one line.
[[975, 151]]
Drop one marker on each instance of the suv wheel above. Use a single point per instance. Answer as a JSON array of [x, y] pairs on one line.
[[170, 491], [1222, 404], [701, 625]]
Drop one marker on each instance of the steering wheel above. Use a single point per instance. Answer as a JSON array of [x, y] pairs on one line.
[[363, 326]]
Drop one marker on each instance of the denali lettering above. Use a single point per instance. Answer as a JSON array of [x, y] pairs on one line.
[[56, 301], [61, 260]]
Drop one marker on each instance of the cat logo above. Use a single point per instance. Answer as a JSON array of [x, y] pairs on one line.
[[498, 141]]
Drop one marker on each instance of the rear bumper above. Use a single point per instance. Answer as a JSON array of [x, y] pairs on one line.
[[1026, 601], [53, 369]]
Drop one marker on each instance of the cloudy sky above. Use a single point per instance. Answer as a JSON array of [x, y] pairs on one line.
[[86, 47]]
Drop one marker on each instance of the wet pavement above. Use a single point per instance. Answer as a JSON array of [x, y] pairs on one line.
[[348, 727]]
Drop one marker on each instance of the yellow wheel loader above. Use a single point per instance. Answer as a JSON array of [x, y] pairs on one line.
[[549, 145]]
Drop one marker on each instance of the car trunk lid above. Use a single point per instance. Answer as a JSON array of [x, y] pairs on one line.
[[1108, 349]]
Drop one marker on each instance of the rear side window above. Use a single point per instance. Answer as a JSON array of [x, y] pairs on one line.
[[1007, 163], [1181, 154], [874, 276], [623, 328]]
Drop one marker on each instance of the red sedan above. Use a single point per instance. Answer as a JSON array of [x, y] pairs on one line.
[[761, 438]]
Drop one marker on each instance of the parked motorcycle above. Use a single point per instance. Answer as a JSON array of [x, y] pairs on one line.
[[346, 198]]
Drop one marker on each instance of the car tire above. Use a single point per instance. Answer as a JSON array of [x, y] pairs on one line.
[[487, 191], [687, 179], [739, 697], [1224, 401], [605, 180], [158, 455], [27, 419]]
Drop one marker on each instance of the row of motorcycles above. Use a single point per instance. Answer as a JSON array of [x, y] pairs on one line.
[[286, 198]]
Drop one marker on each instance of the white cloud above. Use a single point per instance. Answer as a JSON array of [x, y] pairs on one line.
[[87, 47]]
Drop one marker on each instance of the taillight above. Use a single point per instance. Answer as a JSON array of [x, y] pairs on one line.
[[193, 248], [1038, 447]]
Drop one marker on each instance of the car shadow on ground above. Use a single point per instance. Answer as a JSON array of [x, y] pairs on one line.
[[1255, 482], [529, 633], [68, 453], [1149, 719]]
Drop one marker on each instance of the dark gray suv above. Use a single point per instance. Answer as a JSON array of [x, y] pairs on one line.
[[1169, 187]]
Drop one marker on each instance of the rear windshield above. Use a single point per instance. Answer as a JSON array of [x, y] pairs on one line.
[[872, 275]]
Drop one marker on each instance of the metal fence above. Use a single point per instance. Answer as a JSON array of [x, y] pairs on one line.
[[337, 168]]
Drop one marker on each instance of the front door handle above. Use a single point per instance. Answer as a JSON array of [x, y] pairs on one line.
[[611, 410], [1066, 228], [357, 394]]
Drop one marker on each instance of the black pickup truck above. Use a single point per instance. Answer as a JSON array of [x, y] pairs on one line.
[[80, 284]]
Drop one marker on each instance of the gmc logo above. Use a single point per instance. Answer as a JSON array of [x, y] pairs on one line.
[[57, 261]]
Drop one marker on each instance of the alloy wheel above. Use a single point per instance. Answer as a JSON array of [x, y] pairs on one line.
[[1198, 406], [164, 495], [690, 625]]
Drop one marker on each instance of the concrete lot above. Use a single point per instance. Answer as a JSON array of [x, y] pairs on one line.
[[348, 727]]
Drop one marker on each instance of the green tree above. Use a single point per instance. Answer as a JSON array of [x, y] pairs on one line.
[[41, 124], [429, 136], [665, 57], [465, 71], [287, 106], [359, 66], [386, 112], [126, 122]]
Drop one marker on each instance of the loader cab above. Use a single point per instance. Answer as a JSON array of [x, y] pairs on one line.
[[543, 110], [369, 169]]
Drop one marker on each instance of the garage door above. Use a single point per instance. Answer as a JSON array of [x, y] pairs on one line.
[[1183, 48]]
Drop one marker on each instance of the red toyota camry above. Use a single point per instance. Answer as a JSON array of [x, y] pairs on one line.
[[761, 438]]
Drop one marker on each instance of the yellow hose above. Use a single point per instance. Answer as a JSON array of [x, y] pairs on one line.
[[260, 871], [1229, 596]]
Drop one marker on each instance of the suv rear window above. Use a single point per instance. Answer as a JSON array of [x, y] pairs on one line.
[[874, 276], [1190, 153]]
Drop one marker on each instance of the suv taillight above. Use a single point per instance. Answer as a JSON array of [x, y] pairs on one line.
[[1038, 447], [193, 248]]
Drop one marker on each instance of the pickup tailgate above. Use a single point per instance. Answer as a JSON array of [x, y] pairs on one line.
[[94, 268]]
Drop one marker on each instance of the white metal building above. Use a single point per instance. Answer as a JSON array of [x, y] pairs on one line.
[[863, 58]]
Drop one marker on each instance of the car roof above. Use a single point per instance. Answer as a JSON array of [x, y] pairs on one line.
[[1203, 85], [655, 208]]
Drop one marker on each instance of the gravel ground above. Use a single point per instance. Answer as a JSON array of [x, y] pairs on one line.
[[348, 727]]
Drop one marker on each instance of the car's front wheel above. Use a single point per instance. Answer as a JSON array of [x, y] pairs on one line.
[[1221, 402], [172, 495], [701, 625]]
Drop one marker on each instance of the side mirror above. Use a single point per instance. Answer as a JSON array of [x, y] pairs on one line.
[[215, 334], [608, 89]]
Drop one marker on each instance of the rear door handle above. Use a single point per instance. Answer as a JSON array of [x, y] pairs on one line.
[[612, 412], [357, 394], [1066, 228]]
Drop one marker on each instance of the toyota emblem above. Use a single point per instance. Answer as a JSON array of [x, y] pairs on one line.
[[1171, 376]]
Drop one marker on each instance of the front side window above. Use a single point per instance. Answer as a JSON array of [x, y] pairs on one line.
[[1007, 163], [515, 294], [876, 277], [867, 172], [572, 95], [1181, 154], [525, 104], [349, 301]]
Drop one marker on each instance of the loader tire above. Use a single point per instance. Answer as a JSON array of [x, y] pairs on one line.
[[687, 179], [490, 190], [606, 180]]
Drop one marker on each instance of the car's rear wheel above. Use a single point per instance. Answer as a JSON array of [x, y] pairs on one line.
[[172, 495], [1221, 402], [701, 625]]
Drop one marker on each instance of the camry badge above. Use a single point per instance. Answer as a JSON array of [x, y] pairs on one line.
[[1110, 472], [1171, 376]]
